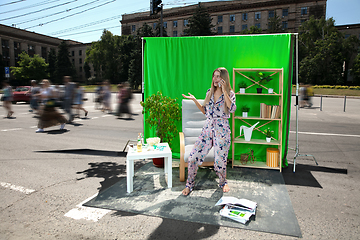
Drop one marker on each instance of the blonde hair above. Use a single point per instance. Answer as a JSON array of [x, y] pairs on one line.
[[224, 74]]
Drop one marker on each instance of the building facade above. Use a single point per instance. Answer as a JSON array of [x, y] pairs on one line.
[[231, 17], [14, 41]]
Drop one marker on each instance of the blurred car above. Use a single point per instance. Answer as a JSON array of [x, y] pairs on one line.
[[20, 94]]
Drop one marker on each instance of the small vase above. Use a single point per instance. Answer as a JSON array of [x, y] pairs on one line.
[[268, 139], [259, 90], [270, 90], [242, 90], [245, 114]]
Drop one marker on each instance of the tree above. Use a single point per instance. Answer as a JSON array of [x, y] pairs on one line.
[[52, 65], [253, 30], [323, 51], [157, 30], [274, 24], [355, 71], [200, 23], [64, 67], [87, 70], [29, 68]]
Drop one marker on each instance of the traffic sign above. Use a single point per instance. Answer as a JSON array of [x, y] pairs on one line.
[[7, 72]]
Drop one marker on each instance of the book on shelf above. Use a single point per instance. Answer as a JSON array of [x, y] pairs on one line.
[[239, 210], [270, 111]]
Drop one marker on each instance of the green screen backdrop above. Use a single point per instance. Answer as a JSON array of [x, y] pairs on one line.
[[176, 65]]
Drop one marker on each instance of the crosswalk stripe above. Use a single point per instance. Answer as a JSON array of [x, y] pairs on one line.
[[16, 188]]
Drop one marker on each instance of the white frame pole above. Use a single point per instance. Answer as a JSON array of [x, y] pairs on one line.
[[297, 154]]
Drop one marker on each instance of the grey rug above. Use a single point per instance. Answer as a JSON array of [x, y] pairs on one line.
[[274, 214]]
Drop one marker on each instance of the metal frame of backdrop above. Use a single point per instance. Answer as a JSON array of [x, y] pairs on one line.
[[297, 150]]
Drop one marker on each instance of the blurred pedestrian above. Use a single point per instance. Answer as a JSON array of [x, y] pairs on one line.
[[7, 98], [107, 96], [49, 116], [98, 96], [78, 99], [303, 95], [34, 92], [68, 97], [310, 94], [124, 96]]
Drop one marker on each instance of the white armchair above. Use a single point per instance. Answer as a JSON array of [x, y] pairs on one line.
[[192, 122]]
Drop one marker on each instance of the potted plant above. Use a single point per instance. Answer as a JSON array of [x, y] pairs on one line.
[[163, 113], [242, 85], [245, 109], [268, 132]]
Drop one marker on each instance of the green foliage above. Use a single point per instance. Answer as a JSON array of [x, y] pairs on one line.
[[87, 70], [242, 84], [323, 51], [52, 65], [157, 30], [64, 67], [163, 113], [263, 77], [200, 23], [29, 68], [275, 25], [355, 71], [268, 132], [253, 30], [245, 108]]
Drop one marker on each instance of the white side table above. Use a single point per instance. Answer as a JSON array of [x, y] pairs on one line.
[[133, 155]]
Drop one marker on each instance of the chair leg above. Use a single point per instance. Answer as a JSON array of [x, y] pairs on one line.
[[182, 171]]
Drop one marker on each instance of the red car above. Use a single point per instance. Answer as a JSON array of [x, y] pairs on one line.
[[20, 94]]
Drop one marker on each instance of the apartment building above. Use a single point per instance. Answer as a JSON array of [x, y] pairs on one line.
[[14, 41], [231, 17]]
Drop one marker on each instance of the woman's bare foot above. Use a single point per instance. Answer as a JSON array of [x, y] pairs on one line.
[[226, 188], [186, 191]]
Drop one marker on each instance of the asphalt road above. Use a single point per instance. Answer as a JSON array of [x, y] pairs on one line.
[[44, 178]]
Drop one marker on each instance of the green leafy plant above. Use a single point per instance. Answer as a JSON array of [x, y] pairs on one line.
[[242, 84], [245, 108], [268, 132], [163, 113], [263, 77]]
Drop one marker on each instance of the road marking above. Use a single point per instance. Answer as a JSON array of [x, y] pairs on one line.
[[327, 134], [16, 188], [13, 129], [87, 213]]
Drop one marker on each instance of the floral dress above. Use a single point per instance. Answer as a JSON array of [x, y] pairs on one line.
[[215, 133]]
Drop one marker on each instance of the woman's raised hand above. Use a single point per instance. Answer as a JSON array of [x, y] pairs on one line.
[[191, 97]]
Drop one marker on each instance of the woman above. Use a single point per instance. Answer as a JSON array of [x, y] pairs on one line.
[[78, 99], [7, 98], [124, 97], [107, 96], [49, 116], [218, 104]]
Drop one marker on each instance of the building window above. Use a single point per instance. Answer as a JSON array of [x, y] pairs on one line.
[[165, 24], [31, 50], [285, 12], [257, 15], [174, 33], [5, 50], [302, 21], [347, 35], [232, 18], [284, 25], [80, 69], [80, 60], [220, 30], [244, 16], [258, 25], [154, 25], [186, 22], [73, 61], [304, 11], [133, 28], [244, 27], [174, 23], [80, 52], [271, 13], [44, 53], [220, 19], [72, 53], [232, 28]]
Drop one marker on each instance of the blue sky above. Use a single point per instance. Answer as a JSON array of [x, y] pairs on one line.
[[84, 20]]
